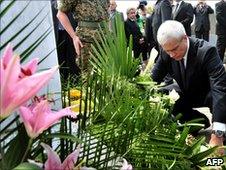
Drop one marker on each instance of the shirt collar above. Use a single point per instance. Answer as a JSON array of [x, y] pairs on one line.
[[179, 3], [186, 54]]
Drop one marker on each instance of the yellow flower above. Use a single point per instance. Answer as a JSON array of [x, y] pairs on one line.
[[75, 94], [75, 105]]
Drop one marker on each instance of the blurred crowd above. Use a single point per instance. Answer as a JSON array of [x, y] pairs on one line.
[[148, 18], [142, 22]]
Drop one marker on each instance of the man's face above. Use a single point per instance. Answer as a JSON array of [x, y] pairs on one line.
[[175, 48], [113, 5], [132, 14]]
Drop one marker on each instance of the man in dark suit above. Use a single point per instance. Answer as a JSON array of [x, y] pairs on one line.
[[221, 27], [149, 33], [162, 12], [132, 28], [202, 21], [199, 72], [183, 12]]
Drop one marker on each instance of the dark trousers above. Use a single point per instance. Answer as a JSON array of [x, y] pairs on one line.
[[221, 45], [66, 56], [202, 34], [141, 49]]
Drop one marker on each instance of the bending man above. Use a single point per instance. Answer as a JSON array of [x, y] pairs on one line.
[[199, 72]]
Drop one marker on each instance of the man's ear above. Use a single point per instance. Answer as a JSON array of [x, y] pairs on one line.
[[185, 37]]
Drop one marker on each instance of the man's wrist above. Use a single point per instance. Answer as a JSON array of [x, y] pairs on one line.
[[74, 36]]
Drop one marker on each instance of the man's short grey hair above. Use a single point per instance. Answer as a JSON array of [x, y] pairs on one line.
[[130, 9], [170, 29]]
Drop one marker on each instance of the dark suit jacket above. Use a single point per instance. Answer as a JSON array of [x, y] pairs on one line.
[[162, 12], [185, 15], [149, 32], [202, 18], [131, 28], [221, 18], [204, 73]]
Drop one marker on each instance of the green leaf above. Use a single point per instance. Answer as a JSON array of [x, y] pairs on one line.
[[27, 166], [64, 136], [191, 150], [200, 156], [183, 136], [2, 13], [16, 150]]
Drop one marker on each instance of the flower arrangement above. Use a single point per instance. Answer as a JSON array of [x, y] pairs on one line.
[[19, 84]]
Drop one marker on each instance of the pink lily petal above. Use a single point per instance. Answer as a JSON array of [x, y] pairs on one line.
[[45, 118], [41, 117], [26, 116], [7, 55], [19, 84], [9, 77], [53, 162], [70, 161], [26, 88], [29, 68]]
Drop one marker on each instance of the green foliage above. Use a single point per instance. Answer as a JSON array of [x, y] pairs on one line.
[[130, 118], [111, 56], [16, 150], [27, 166]]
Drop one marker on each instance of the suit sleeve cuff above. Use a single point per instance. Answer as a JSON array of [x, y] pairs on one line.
[[219, 126]]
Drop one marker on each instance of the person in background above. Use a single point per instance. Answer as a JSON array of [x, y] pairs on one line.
[[198, 70], [162, 13], [148, 30], [90, 15], [132, 28], [112, 15], [141, 17], [221, 27], [202, 21], [65, 49], [183, 12]]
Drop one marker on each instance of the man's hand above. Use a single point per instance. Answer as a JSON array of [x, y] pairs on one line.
[[141, 41], [217, 141], [77, 44]]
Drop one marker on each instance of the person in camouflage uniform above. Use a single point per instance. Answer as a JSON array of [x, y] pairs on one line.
[[90, 15]]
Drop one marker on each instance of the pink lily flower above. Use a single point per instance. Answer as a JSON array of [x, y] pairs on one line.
[[39, 117], [126, 166], [29, 68], [54, 162], [19, 83]]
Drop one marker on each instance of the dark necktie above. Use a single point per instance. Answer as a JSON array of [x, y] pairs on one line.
[[201, 8], [176, 7], [183, 73]]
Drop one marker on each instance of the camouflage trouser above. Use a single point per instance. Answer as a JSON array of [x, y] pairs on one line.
[[85, 56]]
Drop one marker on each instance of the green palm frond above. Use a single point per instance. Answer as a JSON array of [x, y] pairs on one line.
[[131, 120]]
